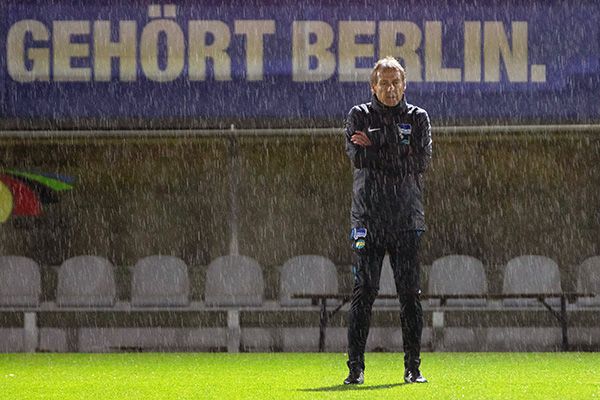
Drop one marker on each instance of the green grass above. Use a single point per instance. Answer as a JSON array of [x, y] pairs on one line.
[[296, 376]]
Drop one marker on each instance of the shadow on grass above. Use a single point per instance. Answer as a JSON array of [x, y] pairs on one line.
[[343, 388]]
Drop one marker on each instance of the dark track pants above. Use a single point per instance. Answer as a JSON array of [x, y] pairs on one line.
[[403, 248]]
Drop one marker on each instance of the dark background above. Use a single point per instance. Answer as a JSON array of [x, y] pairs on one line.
[[491, 196]]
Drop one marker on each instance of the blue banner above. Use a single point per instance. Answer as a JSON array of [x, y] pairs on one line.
[[505, 61]]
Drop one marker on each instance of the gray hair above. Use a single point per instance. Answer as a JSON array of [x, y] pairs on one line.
[[388, 62]]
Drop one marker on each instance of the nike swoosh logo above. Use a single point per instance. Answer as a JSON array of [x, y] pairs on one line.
[[373, 130]]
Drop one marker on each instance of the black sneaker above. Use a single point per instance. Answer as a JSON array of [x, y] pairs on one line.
[[414, 376], [355, 377]]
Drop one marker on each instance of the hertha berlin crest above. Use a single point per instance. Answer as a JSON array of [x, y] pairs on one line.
[[404, 131]]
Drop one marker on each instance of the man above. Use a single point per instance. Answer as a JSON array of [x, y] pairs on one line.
[[389, 144]]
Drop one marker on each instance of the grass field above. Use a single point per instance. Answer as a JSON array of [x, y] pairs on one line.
[[162, 376]]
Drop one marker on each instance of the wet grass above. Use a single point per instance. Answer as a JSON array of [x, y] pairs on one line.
[[296, 376]]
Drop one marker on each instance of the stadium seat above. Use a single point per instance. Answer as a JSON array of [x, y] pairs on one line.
[[20, 282], [531, 274], [86, 281], [528, 274], [456, 275], [588, 281], [307, 274], [587, 338], [387, 285], [160, 281], [20, 286], [234, 280]]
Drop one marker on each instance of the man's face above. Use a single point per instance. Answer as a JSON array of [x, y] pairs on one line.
[[390, 86]]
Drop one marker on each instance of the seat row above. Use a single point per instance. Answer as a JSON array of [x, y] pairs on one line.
[[233, 280], [162, 281], [529, 274]]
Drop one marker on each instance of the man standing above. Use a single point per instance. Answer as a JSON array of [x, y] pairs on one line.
[[389, 144]]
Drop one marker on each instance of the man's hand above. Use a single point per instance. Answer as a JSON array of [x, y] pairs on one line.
[[361, 139]]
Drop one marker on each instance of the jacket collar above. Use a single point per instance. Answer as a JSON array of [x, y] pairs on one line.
[[399, 108]]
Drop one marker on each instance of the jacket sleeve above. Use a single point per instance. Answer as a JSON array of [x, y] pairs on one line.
[[423, 143], [361, 157]]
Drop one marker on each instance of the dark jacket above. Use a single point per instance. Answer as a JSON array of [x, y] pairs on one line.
[[388, 175]]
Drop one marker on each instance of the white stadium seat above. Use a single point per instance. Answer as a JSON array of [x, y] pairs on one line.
[[588, 281], [160, 281], [307, 274], [456, 275], [86, 281], [20, 282], [234, 280], [531, 274]]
